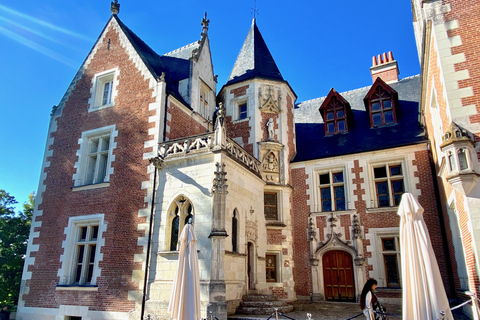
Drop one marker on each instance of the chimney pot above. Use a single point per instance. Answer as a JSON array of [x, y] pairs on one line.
[[385, 58], [379, 58], [374, 61], [390, 56]]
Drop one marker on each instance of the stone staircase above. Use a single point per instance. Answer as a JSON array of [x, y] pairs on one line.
[[260, 304]]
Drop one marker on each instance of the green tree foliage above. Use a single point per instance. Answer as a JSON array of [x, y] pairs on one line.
[[14, 231]]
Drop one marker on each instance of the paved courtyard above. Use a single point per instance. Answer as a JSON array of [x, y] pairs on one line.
[[333, 311]]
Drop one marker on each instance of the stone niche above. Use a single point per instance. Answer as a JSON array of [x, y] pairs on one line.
[[272, 167]]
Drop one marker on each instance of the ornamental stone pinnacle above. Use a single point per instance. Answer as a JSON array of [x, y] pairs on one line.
[[115, 7], [205, 23]]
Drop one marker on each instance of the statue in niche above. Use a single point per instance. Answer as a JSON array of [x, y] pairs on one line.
[[270, 129]]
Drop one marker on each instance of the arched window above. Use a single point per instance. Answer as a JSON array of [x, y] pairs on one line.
[[234, 232], [452, 162], [462, 159], [181, 211]]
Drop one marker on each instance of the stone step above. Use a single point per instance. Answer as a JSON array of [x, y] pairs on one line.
[[264, 310], [259, 297], [264, 304]]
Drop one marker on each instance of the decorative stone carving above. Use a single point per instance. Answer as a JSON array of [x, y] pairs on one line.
[[271, 133], [272, 165], [251, 231], [268, 103], [333, 239], [312, 234], [357, 229]]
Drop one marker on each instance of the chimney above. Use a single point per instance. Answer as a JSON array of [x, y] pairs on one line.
[[385, 67]]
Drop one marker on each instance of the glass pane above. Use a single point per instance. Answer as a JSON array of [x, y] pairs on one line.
[[270, 213], [377, 119], [330, 127], [325, 192], [388, 116], [78, 273], [340, 114], [451, 160], [397, 186], [375, 106], [92, 161], [341, 125], [380, 172], [397, 198], [325, 178], [92, 253], [387, 104], [326, 205], [80, 254], [270, 199], [383, 201], [388, 244], [391, 269], [382, 188], [396, 170], [90, 274], [340, 204], [102, 168], [234, 234], [93, 145], [462, 160], [107, 89], [330, 115], [339, 192], [94, 235], [83, 234], [174, 234], [337, 177], [105, 143]]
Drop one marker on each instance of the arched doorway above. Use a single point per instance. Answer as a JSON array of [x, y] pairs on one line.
[[338, 276]]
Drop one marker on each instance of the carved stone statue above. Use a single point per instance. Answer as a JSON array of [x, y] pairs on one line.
[[270, 129]]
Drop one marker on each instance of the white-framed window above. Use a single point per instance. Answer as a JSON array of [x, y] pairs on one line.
[[104, 90], [389, 180], [271, 208], [206, 99], [179, 214], [390, 253], [331, 190], [95, 156], [84, 239]]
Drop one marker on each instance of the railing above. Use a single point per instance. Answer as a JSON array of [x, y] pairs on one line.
[[206, 143], [473, 300]]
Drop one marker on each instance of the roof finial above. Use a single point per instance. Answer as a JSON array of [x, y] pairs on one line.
[[205, 23], [115, 7], [254, 9]]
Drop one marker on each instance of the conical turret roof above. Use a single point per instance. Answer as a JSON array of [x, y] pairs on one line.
[[254, 59]]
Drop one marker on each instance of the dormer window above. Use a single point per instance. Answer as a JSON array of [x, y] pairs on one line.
[[335, 111], [380, 103]]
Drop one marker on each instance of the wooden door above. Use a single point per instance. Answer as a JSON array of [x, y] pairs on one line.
[[338, 276]]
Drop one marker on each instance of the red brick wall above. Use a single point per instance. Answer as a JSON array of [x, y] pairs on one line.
[[301, 246], [240, 129], [274, 236], [119, 202], [240, 91], [181, 123]]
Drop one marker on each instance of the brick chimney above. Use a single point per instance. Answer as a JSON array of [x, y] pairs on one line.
[[385, 67]]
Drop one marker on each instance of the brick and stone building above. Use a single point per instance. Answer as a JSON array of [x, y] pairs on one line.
[[447, 41], [290, 200]]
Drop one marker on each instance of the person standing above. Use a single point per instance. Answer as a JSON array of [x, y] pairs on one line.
[[4, 314], [369, 301]]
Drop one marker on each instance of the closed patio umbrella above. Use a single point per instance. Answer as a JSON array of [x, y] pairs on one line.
[[423, 292], [185, 297]]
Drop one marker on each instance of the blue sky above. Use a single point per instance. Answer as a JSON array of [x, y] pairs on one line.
[[317, 45]]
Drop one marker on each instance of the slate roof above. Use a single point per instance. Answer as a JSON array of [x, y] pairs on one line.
[[310, 131], [175, 64], [254, 60]]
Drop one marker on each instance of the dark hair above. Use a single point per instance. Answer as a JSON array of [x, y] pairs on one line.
[[366, 288]]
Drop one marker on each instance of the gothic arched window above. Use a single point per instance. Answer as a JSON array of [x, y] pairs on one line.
[[180, 212], [234, 232]]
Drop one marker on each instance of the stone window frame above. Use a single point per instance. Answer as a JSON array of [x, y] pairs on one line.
[[332, 185], [376, 260], [97, 89], [207, 99], [181, 202], [277, 262], [279, 206], [389, 179], [70, 247], [316, 181], [83, 155], [396, 252]]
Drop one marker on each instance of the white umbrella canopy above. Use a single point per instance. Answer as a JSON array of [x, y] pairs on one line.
[[185, 297], [423, 292]]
